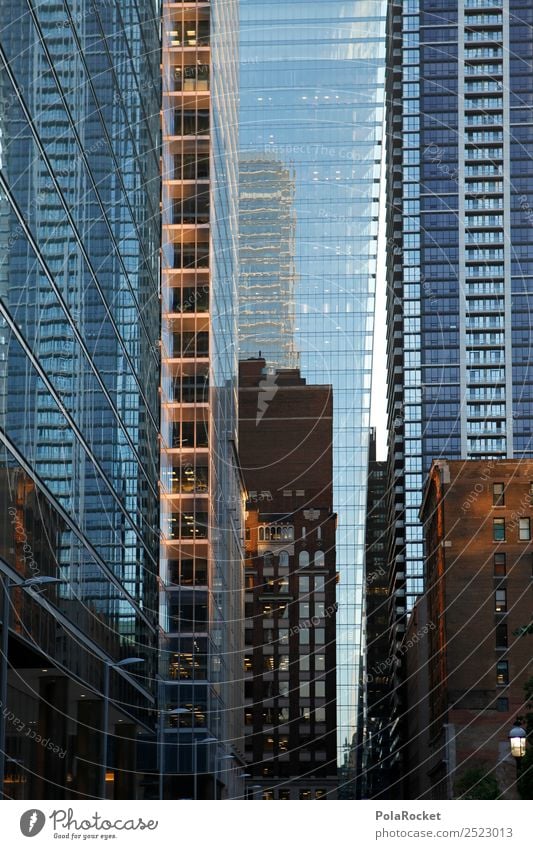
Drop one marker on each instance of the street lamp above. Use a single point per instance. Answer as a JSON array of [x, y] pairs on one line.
[[8, 585], [174, 712], [196, 743], [255, 787], [108, 665], [517, 742]]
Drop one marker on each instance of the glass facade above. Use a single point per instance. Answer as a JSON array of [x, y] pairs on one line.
[[79, 363], [460, 276], [267, 254], [312, 76], [202, 503]]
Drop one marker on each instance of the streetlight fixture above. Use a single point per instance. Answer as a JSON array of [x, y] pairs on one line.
[[179, 711], [517, 742], [205, 741], [29, 583], [108, 665]]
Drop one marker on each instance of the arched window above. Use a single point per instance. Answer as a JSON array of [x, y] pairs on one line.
[[261, 534], [319, 559], [268, 558], [284, 558], [303, 559]]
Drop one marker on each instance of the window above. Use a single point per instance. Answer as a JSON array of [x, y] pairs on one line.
[[502, 705], [498, 530], [501, 637], [320, 636], [500, 567], [319, 583], [500, 601], [304, 663], [283, 558], [303, 584], [320, 714], [320, 662], [304, 690], [304, 610], [303, 559], [502, 673], [304, 636], [305, 794], [319, 559], [524, 528], [320, 689], [498, 494]]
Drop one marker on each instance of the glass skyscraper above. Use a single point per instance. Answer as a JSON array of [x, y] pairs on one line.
[[202, 503], [312, 77], [79, 363], [460, 145], [267, 267]]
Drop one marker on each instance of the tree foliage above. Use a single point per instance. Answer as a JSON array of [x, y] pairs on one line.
[[474, 783]]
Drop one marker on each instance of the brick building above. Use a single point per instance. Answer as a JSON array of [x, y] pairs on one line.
[[477, 517], [285, 438], [376, 715]]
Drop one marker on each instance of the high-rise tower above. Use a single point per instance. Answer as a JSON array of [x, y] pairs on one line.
[[79, 326], [201, 495], [459, 270]]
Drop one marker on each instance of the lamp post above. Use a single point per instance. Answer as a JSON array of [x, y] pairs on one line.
[[517, 742], [174, 712], [195, 744], [8, 585], [108, 665], [254, 788]]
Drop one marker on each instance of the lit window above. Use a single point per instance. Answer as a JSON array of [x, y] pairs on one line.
[[502, 672], [498, 530], [498, 494], [524, 528], [320, 662]]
